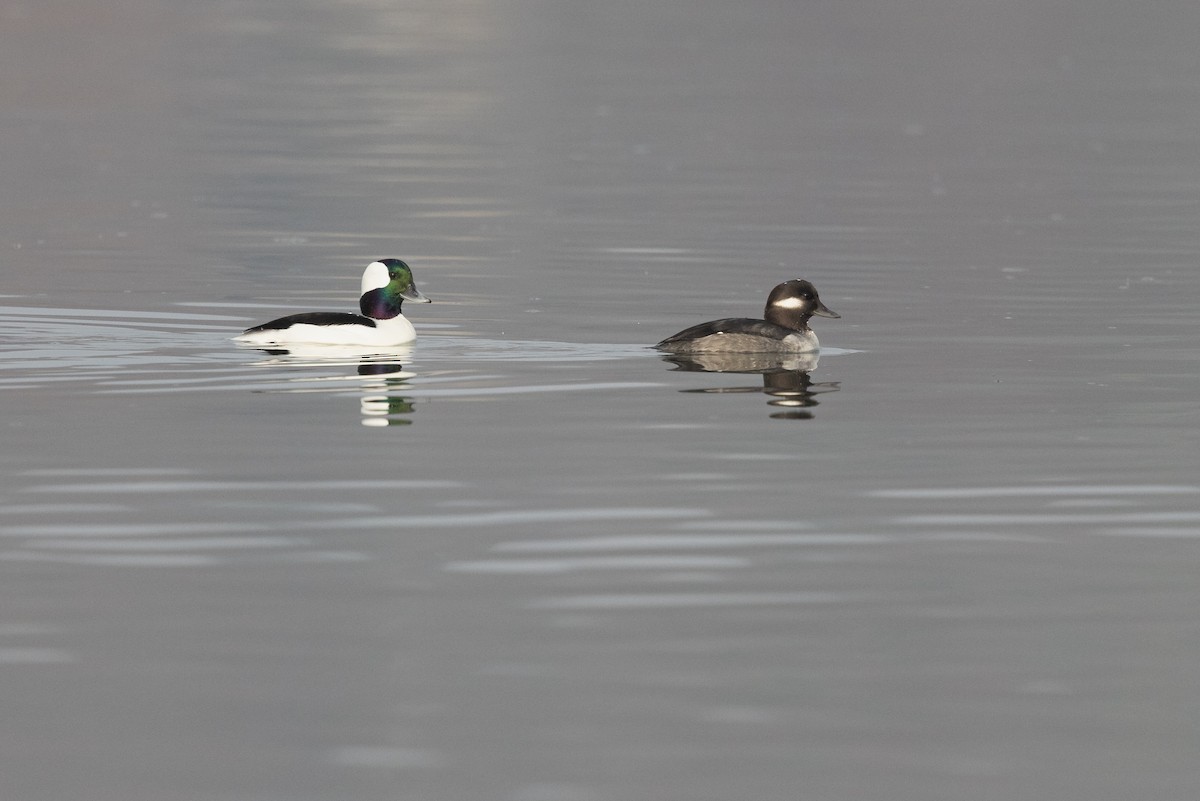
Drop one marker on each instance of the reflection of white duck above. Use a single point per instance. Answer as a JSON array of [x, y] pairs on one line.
[[785, 329], [386, 284], [378, 371], [316, 354]]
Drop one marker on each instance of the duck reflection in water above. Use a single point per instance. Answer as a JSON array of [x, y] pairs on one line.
[[380, 374], [785, 378], [382, 410]]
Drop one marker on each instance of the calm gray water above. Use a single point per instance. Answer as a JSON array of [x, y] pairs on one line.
[[528, 559]]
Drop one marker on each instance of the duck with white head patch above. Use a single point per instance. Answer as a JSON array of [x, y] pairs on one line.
[[386, 284], [785, 329]]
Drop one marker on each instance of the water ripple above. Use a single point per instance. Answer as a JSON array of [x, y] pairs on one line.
[[677, 541], [686, 600], [148, 487], [1121, 510], [584, 515], [118, 352], [945, 493], [558, 566]]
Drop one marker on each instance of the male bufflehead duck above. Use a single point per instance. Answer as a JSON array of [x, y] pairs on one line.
[[785, 329], [385, 285]]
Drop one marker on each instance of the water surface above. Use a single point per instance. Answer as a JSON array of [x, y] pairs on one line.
[[528, 557]]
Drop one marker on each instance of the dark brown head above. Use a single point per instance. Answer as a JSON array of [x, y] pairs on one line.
[[791, 304]]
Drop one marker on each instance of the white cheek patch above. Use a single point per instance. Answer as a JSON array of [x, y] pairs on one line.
[[789, 303], [375, 277]]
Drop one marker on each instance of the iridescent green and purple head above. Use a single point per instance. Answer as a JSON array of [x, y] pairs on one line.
[[386, 284]]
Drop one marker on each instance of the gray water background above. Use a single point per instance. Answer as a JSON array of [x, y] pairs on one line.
[[533, 562]]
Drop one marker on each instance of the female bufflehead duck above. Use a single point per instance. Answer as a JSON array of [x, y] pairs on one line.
[[385, 285], [785, 329]]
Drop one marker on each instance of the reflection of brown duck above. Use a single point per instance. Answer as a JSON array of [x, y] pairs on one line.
[[744, 362], [794, 392], [784, 377]]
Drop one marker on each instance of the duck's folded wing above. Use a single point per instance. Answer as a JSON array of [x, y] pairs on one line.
[[314, 318], [739, 325]]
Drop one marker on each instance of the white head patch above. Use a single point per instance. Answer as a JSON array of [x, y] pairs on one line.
[[375, 277], [789, 303]]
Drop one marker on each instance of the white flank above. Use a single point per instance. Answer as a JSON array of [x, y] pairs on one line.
[[395, 331]]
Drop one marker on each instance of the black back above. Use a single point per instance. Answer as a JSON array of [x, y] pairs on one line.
[[314, 318], [729, 325]]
